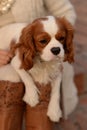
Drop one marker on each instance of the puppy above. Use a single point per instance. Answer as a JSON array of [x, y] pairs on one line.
[[42, 47]]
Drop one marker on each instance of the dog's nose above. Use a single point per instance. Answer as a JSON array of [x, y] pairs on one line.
[[55, 50]]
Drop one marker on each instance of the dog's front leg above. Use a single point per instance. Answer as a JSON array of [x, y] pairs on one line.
[[31, 91], [54, 111]]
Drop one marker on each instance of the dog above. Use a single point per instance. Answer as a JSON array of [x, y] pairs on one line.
[[42, 47]]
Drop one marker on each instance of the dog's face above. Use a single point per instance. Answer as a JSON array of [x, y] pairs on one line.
[[50, 38]]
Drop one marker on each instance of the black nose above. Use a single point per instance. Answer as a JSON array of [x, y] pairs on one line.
[[55, 50]]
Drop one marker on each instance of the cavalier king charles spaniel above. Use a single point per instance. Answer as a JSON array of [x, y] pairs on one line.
[[41, 49]]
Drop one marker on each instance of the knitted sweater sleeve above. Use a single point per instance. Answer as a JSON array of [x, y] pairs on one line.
[[61, 8]]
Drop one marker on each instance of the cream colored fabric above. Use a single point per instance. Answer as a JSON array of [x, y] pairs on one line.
[[61, 8], [6, 19], [28, 10], [39, 8], [70, 99]]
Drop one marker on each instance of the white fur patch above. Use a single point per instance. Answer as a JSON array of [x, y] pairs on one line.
[[50, 25], [45, 72]]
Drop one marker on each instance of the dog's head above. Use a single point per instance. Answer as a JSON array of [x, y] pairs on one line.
[[50, 38]]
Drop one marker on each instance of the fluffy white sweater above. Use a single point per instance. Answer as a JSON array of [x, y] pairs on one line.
[[39, 8], [27, 11]]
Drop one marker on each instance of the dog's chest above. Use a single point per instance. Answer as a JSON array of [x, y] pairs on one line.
[[45, 73]]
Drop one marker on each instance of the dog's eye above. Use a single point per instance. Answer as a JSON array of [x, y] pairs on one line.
[[43, 41], [61, 39]]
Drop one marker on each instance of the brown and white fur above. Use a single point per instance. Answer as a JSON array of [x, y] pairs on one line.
[[43, 46]]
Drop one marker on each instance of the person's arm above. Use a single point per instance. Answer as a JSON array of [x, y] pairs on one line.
[[5, 57], [61, 8]]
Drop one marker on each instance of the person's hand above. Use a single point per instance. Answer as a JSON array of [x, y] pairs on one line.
[[5, 57]]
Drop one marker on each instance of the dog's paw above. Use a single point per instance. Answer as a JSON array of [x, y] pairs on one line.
[[31, 98], [54, 114]]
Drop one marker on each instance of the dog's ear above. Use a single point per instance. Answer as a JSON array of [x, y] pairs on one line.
[[68, 46], [27, 48]]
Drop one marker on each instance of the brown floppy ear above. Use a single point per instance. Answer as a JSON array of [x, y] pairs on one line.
[[26, 49], [69, 49]]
